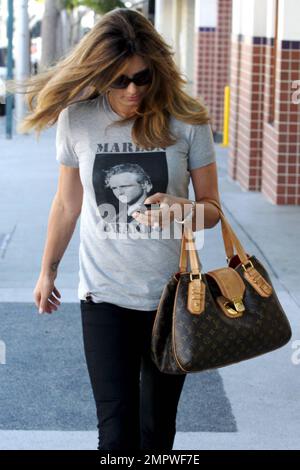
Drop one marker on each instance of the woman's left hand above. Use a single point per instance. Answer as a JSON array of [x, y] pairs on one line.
[[165, 215]]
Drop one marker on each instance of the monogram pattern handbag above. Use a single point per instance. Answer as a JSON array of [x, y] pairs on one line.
[[221, 317]]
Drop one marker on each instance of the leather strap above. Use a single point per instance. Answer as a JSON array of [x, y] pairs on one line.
[[229, 237], [225, 234], [229, 281], [188, 237]]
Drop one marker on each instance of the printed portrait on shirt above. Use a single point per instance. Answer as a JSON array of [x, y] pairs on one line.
[[122, 182]]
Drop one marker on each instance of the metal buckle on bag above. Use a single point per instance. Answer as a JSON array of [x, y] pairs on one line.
[[258, 282], [191, 276], [238, 303], [248, 262], [196, 295], [227, 308]]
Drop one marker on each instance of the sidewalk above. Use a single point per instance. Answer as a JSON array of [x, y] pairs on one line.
[[251, 405], [263, 391]]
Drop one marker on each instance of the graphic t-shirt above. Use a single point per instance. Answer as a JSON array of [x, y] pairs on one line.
[[122, 261]]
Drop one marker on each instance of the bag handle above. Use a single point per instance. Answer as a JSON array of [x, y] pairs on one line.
[[193, 254], [225, 234], [229, 237]]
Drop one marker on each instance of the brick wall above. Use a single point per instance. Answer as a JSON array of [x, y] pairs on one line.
[[246, 113], [212, 64], [281, 146], [265, 123]]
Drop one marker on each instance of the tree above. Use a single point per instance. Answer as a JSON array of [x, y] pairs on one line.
[[60, 25], [49, 32], [99, 6]]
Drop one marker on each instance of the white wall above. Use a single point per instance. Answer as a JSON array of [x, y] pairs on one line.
[[187, 42], [205, 13], [163, 19], [253, 15], [257, 18], [289, 20], [236, 17]]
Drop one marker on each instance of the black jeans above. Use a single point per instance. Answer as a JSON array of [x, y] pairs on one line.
[[136, 403]]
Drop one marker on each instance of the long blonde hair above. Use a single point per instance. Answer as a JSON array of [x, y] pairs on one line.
[[96, 61]]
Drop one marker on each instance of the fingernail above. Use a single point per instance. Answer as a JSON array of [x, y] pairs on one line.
[[40, 310]]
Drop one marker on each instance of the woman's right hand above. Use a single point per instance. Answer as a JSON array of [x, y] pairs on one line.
[[45, 294]]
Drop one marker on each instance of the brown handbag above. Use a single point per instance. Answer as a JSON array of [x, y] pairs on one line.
[[221, 317]]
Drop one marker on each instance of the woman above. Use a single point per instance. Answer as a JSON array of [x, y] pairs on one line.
[[127, 135]]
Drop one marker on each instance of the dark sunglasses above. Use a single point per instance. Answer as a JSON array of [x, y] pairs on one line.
[[139, 79]]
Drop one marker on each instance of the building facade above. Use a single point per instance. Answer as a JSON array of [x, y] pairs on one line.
[[254, 47]]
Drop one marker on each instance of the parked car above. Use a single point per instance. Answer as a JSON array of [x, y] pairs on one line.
[[3, 77], [35, 54]]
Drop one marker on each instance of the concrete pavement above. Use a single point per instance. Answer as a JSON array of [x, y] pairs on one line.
[[45, 393]]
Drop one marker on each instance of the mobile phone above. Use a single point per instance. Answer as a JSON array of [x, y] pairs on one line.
[[152, 206]]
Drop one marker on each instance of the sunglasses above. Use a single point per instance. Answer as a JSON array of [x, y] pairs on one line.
[[139, 79]]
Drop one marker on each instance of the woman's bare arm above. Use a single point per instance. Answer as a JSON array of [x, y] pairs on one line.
[[205, 183], [63, 215]]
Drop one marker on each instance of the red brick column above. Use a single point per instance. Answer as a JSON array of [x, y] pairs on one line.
[[281, 149], [221, 62], [205, 65], [213, 62], [246, 126]]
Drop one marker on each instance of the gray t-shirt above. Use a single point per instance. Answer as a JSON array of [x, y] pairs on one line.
[[120, 260]]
